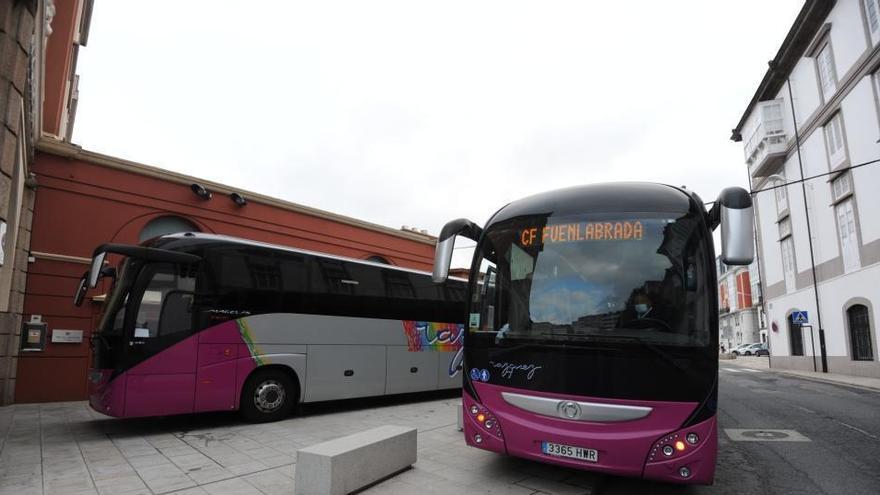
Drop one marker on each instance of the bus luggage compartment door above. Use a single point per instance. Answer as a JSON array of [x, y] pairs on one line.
[[411, 371], [344, 371]]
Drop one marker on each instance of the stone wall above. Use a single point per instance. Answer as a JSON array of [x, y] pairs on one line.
[[16, 202]]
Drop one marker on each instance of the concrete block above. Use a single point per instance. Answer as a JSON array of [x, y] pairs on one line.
[[350, 463]]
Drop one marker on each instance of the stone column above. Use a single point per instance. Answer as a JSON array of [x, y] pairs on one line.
[[16, 199]]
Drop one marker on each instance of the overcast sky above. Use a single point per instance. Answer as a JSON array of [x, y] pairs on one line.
[[414, 113]]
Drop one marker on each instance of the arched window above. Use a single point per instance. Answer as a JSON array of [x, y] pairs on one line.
[[378, 259], [166, 225], [860, 333]]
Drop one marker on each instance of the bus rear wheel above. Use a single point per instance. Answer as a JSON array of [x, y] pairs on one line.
[[268, 395]]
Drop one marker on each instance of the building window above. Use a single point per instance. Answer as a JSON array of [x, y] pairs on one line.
[[797, 338], [166, 225], [785, 227], [827, 74], [875, 83], [781, 196], [846, 232], [872, 9], [860, 333], [788, 266], [841, 187], [834, 138]]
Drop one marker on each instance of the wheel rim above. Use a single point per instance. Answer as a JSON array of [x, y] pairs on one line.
[[269, 396]]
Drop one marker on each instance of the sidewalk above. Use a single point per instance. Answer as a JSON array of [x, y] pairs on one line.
[[65, 448], [762, 363]]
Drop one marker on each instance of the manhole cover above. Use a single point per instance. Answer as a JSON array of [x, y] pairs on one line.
[[763, 435]]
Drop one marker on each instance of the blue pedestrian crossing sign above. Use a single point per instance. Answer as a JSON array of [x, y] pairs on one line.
[[799, 318]]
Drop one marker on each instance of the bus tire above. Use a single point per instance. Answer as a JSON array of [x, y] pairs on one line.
[[268, 395]]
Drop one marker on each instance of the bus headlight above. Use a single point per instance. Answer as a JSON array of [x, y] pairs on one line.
[[485, 419], [667, 450], [692, 438]]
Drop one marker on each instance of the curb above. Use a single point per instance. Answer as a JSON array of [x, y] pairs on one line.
[[825, 380]]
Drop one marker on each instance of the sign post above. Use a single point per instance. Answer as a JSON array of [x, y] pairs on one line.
[[812, 345]]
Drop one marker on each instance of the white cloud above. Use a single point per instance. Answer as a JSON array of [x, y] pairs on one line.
[[416, 113]]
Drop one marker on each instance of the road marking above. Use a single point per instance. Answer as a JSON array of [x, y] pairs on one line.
[[764, 435], [855, 428], [805, 409], [752, 371], [731, 370]]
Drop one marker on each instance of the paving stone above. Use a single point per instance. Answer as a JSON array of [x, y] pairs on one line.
[[247, 468], [551, 486], [210, 474], [235, 486], [122, 484], [271, 482], [192, 491]]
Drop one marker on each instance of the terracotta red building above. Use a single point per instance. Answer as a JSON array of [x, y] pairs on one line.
[[75, 200]]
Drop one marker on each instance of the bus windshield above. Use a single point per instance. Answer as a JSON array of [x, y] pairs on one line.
[[577, 280]]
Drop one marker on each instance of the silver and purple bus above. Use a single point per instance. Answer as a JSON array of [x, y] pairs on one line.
[[592, 340], [197, 322]]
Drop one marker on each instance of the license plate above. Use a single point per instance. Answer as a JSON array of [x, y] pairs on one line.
[[559, 450]]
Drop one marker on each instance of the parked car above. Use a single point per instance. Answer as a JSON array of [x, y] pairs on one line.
[[763, 350], [748, 349], [736, 350]]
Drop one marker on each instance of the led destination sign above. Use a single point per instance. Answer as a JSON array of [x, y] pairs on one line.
[[588, 231]]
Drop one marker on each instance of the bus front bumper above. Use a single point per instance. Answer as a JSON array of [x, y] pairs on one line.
[[632, 448], [106, 394]]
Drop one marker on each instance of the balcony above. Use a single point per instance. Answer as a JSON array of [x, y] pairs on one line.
[[766, 145]]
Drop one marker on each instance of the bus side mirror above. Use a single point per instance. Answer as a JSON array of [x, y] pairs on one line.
[[737, 220], [95, 271], [109, 271], [446, 242], [80, 291]]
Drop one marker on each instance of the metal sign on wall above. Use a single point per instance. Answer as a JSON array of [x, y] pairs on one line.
[[33, 336], [67, 336]]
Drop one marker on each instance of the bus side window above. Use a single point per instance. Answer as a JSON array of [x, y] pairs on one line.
[[176, 315], [488, 316], [163, 280]]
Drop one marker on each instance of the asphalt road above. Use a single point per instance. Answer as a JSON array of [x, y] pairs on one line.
[[842, 424]]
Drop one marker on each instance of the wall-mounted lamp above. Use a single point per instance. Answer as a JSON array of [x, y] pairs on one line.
[[238, 199], [200, 191]]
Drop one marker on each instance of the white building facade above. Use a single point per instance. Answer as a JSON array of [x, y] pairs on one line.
[[741, 316], [816, 115]]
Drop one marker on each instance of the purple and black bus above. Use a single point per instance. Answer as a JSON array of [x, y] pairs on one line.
[[592, 327], [197, 322]]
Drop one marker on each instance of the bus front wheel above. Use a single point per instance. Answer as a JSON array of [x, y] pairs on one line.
[[268, 395]]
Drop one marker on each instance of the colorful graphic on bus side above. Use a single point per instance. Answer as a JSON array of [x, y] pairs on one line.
[[248, 338], [431, 336]]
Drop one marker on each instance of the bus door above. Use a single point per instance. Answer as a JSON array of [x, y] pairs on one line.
[[159, 355]]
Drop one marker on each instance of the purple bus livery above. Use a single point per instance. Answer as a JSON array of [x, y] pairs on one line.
[[198, 322], [592, 327]]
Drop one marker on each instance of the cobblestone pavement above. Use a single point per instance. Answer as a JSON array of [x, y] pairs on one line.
[[66, 448]]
